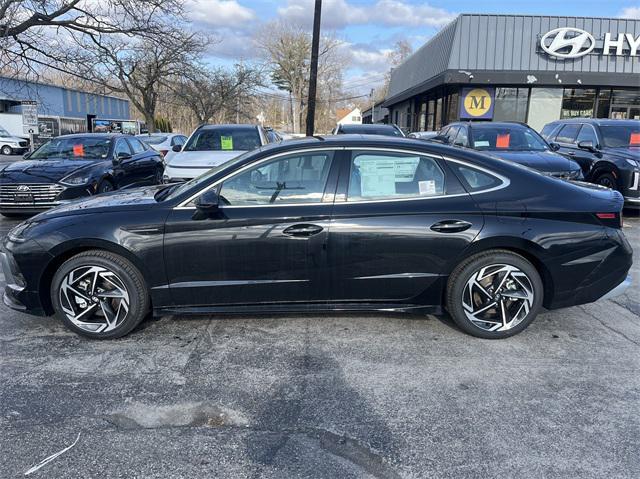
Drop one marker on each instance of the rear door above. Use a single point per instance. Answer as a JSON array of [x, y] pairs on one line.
[[399, 219]]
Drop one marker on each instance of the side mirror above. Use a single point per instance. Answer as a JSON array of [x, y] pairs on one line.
[[207, 201], [586, 145], [121, 157], [554, 146], [176, 148], [441, 139]]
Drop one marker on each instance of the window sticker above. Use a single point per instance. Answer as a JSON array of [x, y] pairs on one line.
[[378, 177], [634, 139], [481, 143], [405, 169], [427, 188], [502, 141], [78, 150], [226, 142]]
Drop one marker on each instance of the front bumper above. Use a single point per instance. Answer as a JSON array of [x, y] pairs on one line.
[[174, 174], [618, 290], [17, 294]]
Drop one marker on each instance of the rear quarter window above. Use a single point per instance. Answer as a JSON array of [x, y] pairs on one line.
[[475, 180]]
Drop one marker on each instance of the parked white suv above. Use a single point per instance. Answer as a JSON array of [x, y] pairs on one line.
[[209, 146], [12, 145]]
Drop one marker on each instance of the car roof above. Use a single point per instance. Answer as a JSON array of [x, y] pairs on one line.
[[92, 135], [229, 125], [513, 124], [367, 125], [596, 121]]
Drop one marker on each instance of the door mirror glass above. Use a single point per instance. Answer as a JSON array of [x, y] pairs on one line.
[[554, 146], [26, 155], [207, 201], [121, 156], [176, 148]]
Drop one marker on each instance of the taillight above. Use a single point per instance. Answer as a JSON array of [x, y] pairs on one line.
[[612, 220]]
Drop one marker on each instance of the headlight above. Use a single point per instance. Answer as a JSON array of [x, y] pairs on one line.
[[76, 179], [633, 163], [17, 234]]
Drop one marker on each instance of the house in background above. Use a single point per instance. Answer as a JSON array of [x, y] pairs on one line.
[[347, 116]]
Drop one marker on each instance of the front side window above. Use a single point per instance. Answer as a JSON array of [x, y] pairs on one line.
[[587, 133], [568, 133], [379, 176], [299, 178], [136, 146], [122, 147]]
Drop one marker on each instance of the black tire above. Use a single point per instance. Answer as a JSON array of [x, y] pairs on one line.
[[462, 274], [105, 186], [606, 179], [6, 150], [127, 273]]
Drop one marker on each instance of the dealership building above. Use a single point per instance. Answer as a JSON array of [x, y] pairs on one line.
[[532, 69]]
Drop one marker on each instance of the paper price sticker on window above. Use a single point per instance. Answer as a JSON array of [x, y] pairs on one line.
[[427, 188], [226, 142], [78, 150], [502, 141], [634, 139]]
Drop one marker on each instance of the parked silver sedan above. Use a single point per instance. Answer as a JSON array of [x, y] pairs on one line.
[[163, 142]]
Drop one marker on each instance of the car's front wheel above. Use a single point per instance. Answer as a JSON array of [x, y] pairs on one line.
[[99, 294], [494, 294], [6, 150]]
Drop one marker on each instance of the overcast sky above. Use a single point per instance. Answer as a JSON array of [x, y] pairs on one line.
[[369, 28]]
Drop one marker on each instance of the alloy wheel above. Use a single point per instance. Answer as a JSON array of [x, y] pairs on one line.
[[497, 297], [94, 299]]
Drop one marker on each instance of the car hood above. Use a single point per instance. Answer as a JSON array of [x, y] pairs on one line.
[[133, 199], [632, 153], [202, 159], [12, 139], [41, 171], [544, 161]]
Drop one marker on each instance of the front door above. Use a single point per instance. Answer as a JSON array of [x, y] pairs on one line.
[[399, 220], [267, 241]]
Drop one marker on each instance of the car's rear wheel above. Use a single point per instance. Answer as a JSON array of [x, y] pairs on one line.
[[494, 294], [99, 294], [6, 150]]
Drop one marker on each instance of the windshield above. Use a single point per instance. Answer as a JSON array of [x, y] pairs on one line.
[[224, 139], [181, 188], [506, 138], [370, 130], [4, 132], [153, 139], [75, 148], [621, 136]]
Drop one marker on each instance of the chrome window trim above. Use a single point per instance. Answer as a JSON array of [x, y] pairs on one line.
[[505, 182], [183, 205]]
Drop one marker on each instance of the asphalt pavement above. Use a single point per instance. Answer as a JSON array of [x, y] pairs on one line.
[[321, 396]]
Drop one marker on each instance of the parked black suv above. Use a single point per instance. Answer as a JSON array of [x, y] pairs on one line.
[[608, 151], [511, 141]]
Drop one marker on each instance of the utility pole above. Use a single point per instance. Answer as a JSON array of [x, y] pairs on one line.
[[373, 106], [313, 71]]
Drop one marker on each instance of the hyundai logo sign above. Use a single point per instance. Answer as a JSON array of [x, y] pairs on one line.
[[567, 42], [23, 188]]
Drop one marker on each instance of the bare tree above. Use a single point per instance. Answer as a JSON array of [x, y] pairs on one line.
[[287, 52], [402, 50], [38, 33], [218, 93]]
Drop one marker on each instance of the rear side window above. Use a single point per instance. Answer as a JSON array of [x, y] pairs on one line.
[[475, 180], [379, 176], [568, 133]]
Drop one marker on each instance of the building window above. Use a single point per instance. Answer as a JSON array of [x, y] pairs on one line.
[[578, 102], [604, 103], [544, 106], [511, 104], [438, 115], [78, 101], [69, 101]]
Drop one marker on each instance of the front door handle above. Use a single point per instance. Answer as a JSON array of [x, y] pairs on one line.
[[451, 226], [303, 230]]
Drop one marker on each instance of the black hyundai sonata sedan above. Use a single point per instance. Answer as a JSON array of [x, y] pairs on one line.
[[343, 223], [73, 166]]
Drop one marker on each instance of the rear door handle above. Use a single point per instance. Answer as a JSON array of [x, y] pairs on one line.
[[451, 226], [303, 230]]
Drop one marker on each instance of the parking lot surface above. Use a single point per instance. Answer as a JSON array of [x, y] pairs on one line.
[[344, 396]]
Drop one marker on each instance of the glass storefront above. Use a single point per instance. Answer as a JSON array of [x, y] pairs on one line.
[[578, 103], [511, 104]]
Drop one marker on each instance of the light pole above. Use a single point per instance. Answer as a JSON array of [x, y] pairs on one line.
[[313, 70]]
